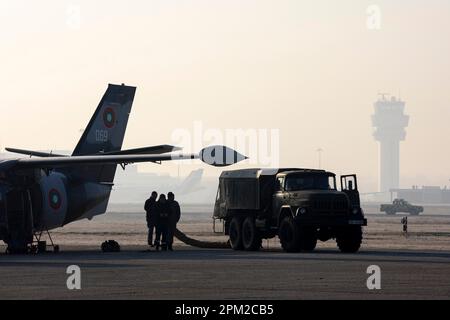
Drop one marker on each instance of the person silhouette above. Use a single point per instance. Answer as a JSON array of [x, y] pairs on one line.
[[174, 218], [150, 209]]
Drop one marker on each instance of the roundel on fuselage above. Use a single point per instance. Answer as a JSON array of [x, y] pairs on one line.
[[54, 199], [109, 117]]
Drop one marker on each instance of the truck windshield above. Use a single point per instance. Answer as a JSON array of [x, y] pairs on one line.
[[310, 182]]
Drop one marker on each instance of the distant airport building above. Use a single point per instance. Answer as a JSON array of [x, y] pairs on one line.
[[390, 122], [426, 194]]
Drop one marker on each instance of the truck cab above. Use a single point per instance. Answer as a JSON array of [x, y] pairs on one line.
[[313, 195]]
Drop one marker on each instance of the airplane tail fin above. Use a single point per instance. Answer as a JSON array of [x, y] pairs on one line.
[[106, 131]]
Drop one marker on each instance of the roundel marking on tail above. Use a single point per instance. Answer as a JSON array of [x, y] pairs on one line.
[[54, 199], [109, 117]]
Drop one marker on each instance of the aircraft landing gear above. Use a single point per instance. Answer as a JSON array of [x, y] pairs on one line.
[[39, 246]]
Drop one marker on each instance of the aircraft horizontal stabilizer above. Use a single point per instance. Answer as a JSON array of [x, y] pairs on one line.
[[34, 153], [147, 150]]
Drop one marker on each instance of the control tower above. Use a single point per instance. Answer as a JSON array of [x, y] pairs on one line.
[[390, 122]]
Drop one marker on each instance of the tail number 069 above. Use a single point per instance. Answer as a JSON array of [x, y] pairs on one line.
[[101, 135]]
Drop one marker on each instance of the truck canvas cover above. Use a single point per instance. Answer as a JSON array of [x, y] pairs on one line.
[[249, 189]]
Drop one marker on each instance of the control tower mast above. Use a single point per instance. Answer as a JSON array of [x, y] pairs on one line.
[[390, 122]]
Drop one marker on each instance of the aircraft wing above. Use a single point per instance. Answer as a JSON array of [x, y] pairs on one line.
[[218, 156], [147, 150], [56, 162]]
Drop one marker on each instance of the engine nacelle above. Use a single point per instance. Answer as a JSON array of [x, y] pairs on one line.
[[54, 200]]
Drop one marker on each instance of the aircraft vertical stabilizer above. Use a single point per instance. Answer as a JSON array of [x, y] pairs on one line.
[[105, 132]]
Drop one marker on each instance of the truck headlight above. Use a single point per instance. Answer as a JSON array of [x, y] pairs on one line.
[[300, 211]]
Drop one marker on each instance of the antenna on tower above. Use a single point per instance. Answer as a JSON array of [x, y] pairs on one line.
[[383, 95]]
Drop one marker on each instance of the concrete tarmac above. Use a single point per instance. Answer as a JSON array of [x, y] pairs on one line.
[[190, 273]]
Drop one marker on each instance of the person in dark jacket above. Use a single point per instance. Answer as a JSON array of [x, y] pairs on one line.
[[174, 217], [162, 227], [150, 209], [404, 222]]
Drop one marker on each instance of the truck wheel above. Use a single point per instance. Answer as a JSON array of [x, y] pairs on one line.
[[236, 234], [251, 239], [349, 239], [308, 239], [289, 235]]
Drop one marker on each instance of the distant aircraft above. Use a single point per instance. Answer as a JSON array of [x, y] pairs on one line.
[[191, 183], [134, 187], [47, 191]]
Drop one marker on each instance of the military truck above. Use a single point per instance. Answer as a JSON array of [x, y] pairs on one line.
[[300, 206], [401, 205]]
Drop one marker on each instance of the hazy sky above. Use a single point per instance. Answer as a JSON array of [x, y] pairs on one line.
[[309, 68]]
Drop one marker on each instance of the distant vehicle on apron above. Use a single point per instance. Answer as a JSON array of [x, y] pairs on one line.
[[401, 205]]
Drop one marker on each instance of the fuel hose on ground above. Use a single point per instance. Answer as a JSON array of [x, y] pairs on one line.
[[200, 244]]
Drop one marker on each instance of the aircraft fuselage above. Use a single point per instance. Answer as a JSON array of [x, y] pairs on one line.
[[39, 201]]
